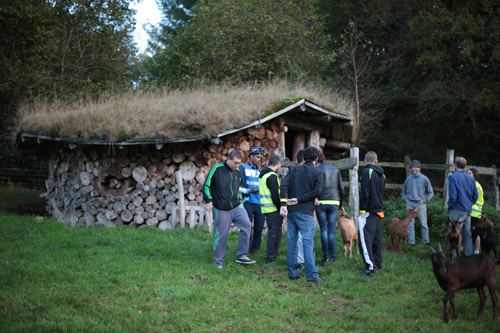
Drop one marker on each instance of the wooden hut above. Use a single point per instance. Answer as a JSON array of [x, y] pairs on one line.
[[157, 182]]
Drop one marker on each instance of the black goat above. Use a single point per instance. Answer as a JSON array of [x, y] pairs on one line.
[[487, 236], [465, 273]]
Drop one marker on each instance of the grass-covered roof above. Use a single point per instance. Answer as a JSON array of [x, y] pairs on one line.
[[198, 111]]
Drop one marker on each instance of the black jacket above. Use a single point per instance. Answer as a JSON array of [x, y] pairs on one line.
[[372, 189], [221, 187], [272, 185], [332, 186], [304, 182]]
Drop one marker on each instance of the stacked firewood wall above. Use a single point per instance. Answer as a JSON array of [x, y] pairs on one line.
[[138, 184]]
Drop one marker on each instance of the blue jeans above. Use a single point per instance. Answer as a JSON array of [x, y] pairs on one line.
[[327, 220], [257, 217], [305, 224]]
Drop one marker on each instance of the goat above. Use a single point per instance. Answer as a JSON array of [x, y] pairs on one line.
[[348, 232], [398, 229], [469, 272], [484, 234], [453, 238]]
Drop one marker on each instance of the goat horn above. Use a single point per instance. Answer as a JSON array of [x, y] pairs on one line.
[[433, 251], [440, 250]]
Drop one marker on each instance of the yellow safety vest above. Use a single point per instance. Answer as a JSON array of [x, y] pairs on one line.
[[266, 203], [477, 208]]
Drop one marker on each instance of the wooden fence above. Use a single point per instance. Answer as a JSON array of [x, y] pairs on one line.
[[353, 163]]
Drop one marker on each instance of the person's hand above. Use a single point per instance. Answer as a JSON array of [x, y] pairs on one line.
[[292, 201], [283, 211], [363, 215], [342, 210], [253, 190], [316, 202], [208, 206]]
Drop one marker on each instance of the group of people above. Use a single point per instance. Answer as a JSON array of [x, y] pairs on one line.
[[240, 194]]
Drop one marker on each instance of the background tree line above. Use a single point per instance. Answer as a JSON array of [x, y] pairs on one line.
[[423, 74]]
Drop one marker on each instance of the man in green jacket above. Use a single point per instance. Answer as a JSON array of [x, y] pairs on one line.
[[221, 196]]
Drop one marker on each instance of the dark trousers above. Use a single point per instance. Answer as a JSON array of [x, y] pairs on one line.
[[370, 239], [274, 233], [255, 215]]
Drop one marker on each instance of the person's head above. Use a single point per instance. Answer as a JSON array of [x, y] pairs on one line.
[[274, 162], [415, 167], [256, 155], [311, 154], [473, 173], [460, 163], [300, 157], [234, 159], [321, 158], [371, 157]]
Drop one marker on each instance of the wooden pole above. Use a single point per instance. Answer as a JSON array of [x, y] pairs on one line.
[[447, 171], [354, 185], [180, 190], [495, 188], [407, 165]]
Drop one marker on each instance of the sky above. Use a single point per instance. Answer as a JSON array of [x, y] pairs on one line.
[[147, 13]]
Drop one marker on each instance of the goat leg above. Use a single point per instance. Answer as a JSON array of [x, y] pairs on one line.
[[493, 294], [406, 243], [350, 249], [357, 249], [452, 302], [482, 300], [445, 303]]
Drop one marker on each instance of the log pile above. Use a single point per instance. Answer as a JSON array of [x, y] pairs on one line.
[[139, 185]]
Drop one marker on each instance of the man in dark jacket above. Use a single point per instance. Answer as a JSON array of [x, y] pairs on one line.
[[371, 214], [304, 186], [221, 196], [328, 204], [269, 188], [463, 194]]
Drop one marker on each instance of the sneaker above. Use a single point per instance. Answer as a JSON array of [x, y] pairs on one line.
[[317, 280], [324, 261], [219, 266], [367, 272], [296, 277], [245, 260]]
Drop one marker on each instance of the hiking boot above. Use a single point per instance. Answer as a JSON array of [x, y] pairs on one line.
[[324, 261], [317, 280], [245, 260], [296, 277]]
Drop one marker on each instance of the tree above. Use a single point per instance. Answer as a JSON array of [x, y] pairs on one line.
[[241, 41], [63, 47], [438, 65]]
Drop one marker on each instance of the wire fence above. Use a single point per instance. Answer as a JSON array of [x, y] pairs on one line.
[[28, 179]]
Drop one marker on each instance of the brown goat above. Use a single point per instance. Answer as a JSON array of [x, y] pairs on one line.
[[453, 238], [348, 232], [469, 272], [398, 229]]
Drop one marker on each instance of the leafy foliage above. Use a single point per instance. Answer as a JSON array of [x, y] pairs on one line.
[[241, 41]]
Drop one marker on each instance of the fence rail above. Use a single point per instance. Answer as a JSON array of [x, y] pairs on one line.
[[353, 163], [30, 179]]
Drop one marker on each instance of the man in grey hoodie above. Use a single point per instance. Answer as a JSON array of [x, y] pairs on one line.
[[417, 190]]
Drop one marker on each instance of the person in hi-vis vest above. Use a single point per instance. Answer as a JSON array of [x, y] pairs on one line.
[[269, 190]]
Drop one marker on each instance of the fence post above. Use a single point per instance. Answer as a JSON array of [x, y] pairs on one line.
[[180, 190], [447, 170], [495, 188], [407, 165], [353, 185]]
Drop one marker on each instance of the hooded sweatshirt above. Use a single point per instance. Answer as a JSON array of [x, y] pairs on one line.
[[372, 189]]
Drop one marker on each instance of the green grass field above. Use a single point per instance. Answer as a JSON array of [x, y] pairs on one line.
[[57, 278]]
